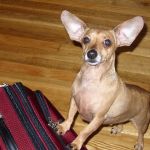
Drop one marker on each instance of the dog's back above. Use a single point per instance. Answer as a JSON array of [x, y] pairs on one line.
[[139, 93]]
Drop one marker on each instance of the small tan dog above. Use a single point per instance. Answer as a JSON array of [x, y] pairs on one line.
[[98, 94]]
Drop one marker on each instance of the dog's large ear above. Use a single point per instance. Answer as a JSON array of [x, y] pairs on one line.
[[74, 26], [128, 31]]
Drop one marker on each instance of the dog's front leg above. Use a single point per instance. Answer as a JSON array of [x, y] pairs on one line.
[[86, 132], [63, 127]]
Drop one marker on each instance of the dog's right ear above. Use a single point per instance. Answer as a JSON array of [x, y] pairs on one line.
[[74, 26]]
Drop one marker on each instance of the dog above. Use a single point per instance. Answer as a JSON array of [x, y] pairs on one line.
[[98, 93]]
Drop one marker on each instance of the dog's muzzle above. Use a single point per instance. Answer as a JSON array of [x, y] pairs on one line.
[[92, 57]]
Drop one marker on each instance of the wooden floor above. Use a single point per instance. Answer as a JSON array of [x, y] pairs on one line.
[[35, 49]]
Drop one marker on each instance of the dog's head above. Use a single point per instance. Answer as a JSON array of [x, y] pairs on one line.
[[99, 45]]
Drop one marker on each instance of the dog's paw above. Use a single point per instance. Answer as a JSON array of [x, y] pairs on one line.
[[138, 147], [60, 129], [116, 129], [72, 146]]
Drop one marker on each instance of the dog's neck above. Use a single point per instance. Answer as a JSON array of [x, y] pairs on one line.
[[105, 70]]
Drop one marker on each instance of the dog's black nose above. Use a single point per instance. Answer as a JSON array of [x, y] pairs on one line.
[[92, 54]]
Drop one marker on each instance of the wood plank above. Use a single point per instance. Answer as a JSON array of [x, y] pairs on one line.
[[31, 29], [57, 6], [98, 17], [110, 6]]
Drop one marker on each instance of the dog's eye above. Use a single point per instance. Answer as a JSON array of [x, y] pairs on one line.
[[86, 40], [107, 43]]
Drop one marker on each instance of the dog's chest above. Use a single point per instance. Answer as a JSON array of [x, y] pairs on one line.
[[87, 98], [90, 94], [86, 103]]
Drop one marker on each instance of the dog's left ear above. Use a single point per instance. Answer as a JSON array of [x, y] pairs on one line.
[[127, 31], [74, 26]]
